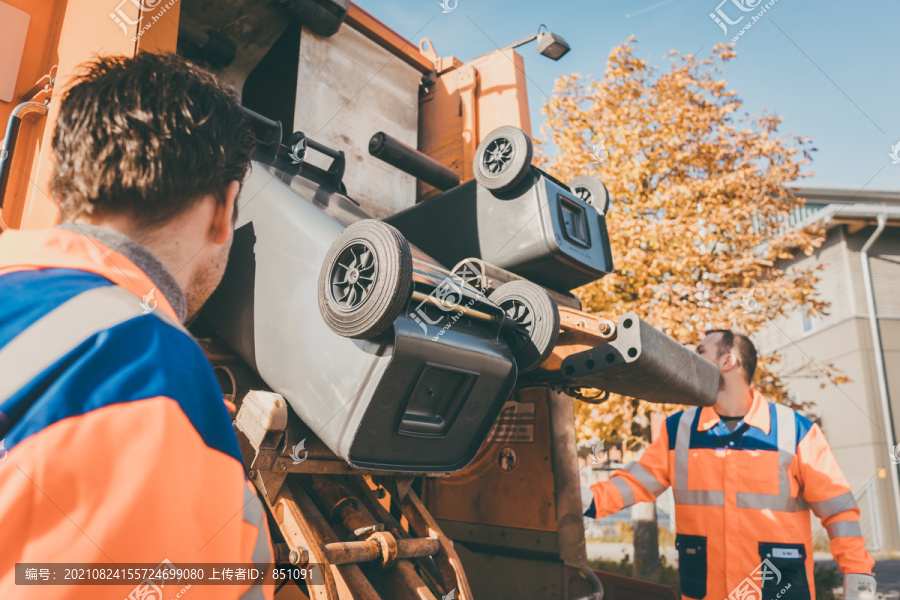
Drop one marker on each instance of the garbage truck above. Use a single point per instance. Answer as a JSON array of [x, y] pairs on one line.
[[396, 326]]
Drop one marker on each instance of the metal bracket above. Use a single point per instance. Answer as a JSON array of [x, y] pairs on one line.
[[643, 362], [262, 421]]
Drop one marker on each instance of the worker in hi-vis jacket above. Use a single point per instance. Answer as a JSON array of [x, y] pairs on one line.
[[745, 474], [120, 446]]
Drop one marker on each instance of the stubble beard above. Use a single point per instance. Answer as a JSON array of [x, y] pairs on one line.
[[205, 281]]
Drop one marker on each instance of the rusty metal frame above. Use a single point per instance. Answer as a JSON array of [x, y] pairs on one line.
[[578, 331], [423, 524], [312, 507], [388, 39]]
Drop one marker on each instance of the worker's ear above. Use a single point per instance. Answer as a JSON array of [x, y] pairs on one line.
[[223, 217], [729, 362]]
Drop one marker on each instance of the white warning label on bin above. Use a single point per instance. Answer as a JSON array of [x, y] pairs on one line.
[[512, 432], [517, 411]]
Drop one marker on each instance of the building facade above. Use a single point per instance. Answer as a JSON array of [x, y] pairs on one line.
[[852, 413]]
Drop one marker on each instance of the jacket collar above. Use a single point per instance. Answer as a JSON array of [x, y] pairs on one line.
[[142, 258], [96, 250], [757, 416]]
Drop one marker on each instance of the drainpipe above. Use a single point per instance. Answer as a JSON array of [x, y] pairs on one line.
[[878, 353]]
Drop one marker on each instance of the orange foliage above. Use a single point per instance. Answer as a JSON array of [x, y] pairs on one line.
[[699, 199]]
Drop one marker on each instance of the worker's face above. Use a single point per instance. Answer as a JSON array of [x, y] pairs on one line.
[[207, 279], [709, 349], [218, 222]]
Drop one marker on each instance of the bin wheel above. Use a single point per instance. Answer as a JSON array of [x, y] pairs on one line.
[[366, 279], [592, 191], [535, 311], [503, 159]]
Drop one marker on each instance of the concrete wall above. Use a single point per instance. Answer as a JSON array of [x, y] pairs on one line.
[[348, 89]]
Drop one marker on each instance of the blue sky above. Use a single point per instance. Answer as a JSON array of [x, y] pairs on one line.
[[828, 67]]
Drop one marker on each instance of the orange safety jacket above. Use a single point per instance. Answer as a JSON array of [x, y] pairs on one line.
[[742, 501], [116, 444]]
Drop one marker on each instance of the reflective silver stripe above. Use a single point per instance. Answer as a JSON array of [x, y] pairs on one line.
[[833, 506], [771, 502], [844, 529], [701, 498], [625, 490], [61, 330], [683, 495], [262, 555], [786, 424], [256, 516], [682, 449], [645, 478]]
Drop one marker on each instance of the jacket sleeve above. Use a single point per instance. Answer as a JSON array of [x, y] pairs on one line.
[[131, 482], [640, 481], [829, 495]]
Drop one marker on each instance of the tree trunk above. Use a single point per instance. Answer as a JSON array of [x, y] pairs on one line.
[[646, 542]]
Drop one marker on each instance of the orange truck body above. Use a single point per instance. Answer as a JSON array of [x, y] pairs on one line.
[[467, 100]]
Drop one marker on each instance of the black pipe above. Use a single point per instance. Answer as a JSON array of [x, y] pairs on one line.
[[212, 45], [9, 141], [409, 160], [6, 154], [267, 135], [323, 17]]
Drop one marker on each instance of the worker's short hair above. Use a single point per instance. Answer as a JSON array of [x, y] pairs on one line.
[[742, 346], [146, 137]]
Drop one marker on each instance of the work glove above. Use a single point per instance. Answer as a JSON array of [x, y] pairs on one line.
[[859, 587]]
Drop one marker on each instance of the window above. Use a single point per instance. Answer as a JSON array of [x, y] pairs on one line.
[[805, 318]]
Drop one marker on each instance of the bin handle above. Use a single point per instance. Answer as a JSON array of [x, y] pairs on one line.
[[592, 578]]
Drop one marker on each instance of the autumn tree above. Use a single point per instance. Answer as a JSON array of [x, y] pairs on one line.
[[700, 195]]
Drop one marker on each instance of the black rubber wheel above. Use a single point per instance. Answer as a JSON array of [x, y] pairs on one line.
[[591, 191], [531, 306], [366, 279], [503, 158]]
